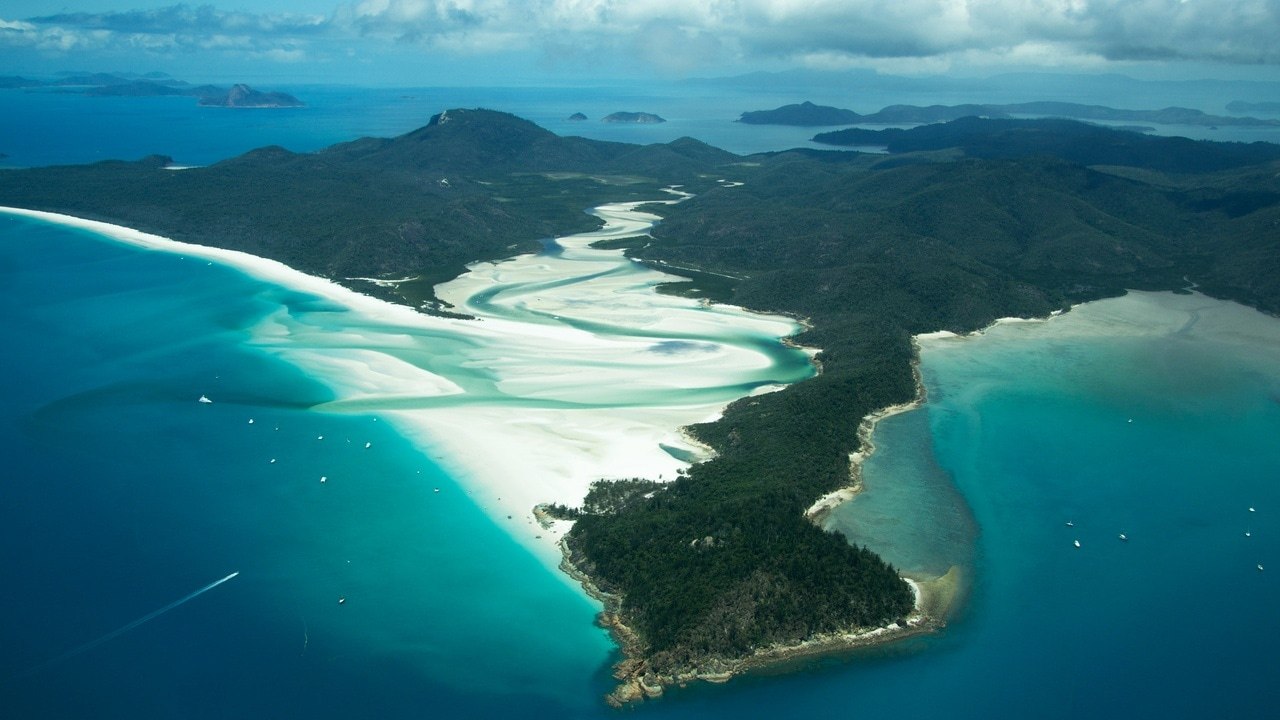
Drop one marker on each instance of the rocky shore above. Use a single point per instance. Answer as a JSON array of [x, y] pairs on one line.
[[638, 680]]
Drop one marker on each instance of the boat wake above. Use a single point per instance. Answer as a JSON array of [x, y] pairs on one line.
[[81, 649]]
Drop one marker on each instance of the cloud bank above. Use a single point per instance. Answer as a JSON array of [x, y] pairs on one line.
[[679, 34]]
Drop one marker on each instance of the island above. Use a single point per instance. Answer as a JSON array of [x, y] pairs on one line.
[[1241, 106], [724, 568], [808, 114], [156, 85], [577, 117], [243, 96], [804, 114], [642, 118]]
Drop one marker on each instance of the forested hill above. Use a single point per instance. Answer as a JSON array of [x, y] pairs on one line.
[[874, 249], [961, 224], [1070, 140], [808, 114], [470, 185]]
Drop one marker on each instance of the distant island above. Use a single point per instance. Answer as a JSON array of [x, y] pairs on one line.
[[632, 117], [1240, 106], [808, 114], [577, 117], [726, 567], [243, 96], [1068, 139], [804, 114], [155, 85]]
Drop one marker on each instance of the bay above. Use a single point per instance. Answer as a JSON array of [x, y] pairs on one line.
[[122, 494]]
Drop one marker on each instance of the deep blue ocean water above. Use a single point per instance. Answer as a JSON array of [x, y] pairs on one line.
[[122, 494]]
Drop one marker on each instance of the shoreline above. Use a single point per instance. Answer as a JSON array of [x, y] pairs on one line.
[[823, 506], [535, 375], [934, 599], [492, 489]]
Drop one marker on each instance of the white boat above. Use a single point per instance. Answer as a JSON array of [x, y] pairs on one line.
[[1124, 537], [205, 399], [1077, 543], [1070, 524], [368, 445]]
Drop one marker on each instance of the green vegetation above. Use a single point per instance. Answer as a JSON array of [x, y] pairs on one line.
[[804, 114], [807, 114], [873, 250], [963, 223], [472, 185], [1069, 140]]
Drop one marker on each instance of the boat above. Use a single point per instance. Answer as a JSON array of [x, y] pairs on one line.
[[1077, 543], [342, 600], [205, 399], [1070, 524], [367, 445], [1124, 537]]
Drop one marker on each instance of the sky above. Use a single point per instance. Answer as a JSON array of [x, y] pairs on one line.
[[445, 42]]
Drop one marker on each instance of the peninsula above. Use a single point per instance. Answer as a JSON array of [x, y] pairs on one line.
[[720, 570]]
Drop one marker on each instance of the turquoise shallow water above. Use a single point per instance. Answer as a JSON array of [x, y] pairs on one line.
[[121, 494], [1155, 416]]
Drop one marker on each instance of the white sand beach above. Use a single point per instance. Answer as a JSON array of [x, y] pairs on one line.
[[575, 370]]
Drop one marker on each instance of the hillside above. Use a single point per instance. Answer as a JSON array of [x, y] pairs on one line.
[[963, 223], [808, 114], [1072, 141], [804, 114], [470, 185]]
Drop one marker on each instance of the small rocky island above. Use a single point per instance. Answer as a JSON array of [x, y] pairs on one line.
[[639, 118], [577, 117]]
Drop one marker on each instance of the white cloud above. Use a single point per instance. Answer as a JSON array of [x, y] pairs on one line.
[[678, 35], [1240, 31]]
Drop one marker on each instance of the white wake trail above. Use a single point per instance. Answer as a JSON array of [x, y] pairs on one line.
[[79, 649]]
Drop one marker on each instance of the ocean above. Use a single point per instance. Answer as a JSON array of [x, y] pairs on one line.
[[124, 498]]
